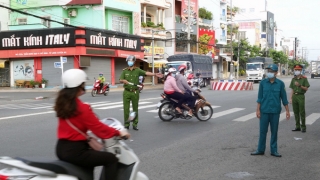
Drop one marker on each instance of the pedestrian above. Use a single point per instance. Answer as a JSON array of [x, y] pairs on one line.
[[271, 90], [131, 93], [75, 119], [299, 86]]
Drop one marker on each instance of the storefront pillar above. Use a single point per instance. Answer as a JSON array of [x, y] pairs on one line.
[[76, 63], [38, 69], [113, 79]]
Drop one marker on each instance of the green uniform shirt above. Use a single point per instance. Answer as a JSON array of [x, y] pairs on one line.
[[102, 79], [303, 81], [132, 76]]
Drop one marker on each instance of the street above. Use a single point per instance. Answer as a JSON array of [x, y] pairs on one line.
[[218, 149]]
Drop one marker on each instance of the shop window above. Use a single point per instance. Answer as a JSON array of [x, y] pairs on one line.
[[148, 18], [22, 21], [120, 23]]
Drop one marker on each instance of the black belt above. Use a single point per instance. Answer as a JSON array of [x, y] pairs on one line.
[[298, 93], [131, 90]]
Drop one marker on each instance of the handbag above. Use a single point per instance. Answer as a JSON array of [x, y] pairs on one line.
[[92, 141]]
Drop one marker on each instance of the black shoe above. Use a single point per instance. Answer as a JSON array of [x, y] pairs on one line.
[[135, 128], [303, 130], [296, 129], [257, 153], [276, 154]]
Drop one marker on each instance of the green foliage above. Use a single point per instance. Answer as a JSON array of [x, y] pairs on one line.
[[203, 45], [44, 81], [160, 26], [143, 24], [279, 57], [151, 24], [32, 83], [205, 14]]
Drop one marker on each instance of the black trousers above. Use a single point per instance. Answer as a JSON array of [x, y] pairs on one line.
[[79, 153], [101, 86], [178, 96]]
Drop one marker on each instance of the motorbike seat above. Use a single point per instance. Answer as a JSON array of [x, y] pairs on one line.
[[171, 99], [59, 167]]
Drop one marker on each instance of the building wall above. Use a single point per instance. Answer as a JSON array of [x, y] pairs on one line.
[[4, 17]]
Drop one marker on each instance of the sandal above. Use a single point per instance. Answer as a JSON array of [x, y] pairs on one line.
[[178, 110], [190, 113]]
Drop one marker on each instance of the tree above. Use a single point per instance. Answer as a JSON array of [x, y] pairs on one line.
[[279, 57], [203, 45]]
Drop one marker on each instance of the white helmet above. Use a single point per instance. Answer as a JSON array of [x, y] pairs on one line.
[[73, 78], [172, 70]]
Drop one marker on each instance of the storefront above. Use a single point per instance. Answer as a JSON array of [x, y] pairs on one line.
[[31, 54]]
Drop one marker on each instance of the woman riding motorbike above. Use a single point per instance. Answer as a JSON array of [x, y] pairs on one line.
[[72, 146], [172, 91]]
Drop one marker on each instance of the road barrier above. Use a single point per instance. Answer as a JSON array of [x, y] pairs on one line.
[[232, 86]]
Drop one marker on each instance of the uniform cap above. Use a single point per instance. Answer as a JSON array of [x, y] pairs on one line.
[[273, 67], [297, 67]]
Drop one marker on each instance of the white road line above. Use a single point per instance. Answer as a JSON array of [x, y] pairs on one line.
[[154, 111], [106, 104], [246, 117], [25, 115], [213, 107], [97, 102], [312, 118], [42, 107], [142, 107], [222, 113], [116, 106], [283, 116], [150, 98]]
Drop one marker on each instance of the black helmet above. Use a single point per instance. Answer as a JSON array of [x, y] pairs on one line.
[[131, 58]]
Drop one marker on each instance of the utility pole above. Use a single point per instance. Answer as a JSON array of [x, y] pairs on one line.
[[231, 57], [189, 26], [238, 58]]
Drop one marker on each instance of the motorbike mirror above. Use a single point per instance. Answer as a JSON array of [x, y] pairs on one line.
[[132, 116]]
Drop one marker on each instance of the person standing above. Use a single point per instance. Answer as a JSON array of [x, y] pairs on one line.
[[299, 86], [271, 90], [129, 76]]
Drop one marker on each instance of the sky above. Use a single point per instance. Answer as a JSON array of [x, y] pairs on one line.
[[299, 18]]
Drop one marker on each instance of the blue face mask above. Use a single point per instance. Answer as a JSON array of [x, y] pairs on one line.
[[130, 63], [173, 75], [270, 75], [100, 75]]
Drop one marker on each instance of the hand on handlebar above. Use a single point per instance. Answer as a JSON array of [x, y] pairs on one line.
[[124, 134]]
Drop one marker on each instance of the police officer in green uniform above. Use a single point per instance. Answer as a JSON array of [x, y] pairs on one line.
[[131, 93], [299, 85], [271, 93]]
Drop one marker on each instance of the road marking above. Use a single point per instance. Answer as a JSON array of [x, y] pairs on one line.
[[142, 107], [97, 102], [283, 116], [312, 118], [25, 115], [111, 107], [246, 117], [222, 113], [150, 98], [106, 104], [42, 107]]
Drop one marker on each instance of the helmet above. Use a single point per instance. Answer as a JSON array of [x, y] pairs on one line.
[[73, 78], [182, 67], [172, 70], [273, 67], [131, 58], [100, 73]]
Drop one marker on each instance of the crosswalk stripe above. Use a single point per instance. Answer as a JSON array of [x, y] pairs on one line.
[[43, 107], [246, 117], [142, 107], [93, 103], [229, 111], [106, 104], [283, 116], [115, 106], [312, 118]]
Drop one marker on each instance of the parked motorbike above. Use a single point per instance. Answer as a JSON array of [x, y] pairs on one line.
[[96, 88], [198, 81], [36, 169], [141, 80], [202, 110]]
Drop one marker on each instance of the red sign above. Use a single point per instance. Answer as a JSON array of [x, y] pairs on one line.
[[44, 52], [125, 54], [211, 42]]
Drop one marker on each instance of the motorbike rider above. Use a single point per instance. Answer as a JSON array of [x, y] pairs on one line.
[[172, 90], [183, 85], [72, 146], [102, 80]]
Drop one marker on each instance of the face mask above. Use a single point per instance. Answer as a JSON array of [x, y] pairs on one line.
[[100, 75], [297, 73], [130, 63], [173, 75], [270, 75]]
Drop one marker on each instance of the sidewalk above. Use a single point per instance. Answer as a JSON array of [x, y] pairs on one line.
[[117, 87]]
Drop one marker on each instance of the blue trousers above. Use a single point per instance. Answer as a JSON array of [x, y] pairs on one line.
[[265, 119]]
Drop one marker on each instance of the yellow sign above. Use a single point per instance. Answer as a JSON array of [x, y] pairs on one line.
[[2, 63], [157, 50], [156, 64]]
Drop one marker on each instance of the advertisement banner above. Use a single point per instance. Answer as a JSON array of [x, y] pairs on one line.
[[23, 70], [112, 40], [34, 38], [211, 42], [22, 4], [157, 50], [193, 15]]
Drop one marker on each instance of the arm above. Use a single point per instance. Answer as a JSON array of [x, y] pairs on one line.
[[154, 74], [291, 96], [305, 85], [283, 95], [122, 78], [260, 96], [258, 110], [186, 85]]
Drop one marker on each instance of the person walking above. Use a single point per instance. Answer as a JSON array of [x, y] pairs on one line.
[[129, 76], [299, 86], [271, 90]]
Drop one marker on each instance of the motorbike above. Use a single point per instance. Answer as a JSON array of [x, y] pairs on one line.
[[96, 88], [190, 79], [202, 110], [198, 81], [35, 169], [141, 80]]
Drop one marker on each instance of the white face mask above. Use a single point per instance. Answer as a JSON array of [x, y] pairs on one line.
[[173, 74], [297, 73]]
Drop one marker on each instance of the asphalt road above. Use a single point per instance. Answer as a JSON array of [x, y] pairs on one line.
[[218, 149]]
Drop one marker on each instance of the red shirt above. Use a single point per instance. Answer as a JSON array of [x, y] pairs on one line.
[[84, 121]]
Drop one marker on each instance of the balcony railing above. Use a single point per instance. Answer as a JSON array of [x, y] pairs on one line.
[[223, 17], [148, 31], [223, 38]]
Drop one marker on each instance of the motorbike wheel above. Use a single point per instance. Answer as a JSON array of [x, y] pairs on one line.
[[205, 113], [94, 92], [166, 111], [106, 92]]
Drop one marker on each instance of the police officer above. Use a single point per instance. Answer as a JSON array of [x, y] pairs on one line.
[[271, 90], [131, 93], [299, 85]]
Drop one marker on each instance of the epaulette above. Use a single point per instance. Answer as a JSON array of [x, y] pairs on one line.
[[125, 69], [305, 77]]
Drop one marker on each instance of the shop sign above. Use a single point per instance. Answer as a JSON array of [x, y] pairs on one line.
[[157, 50], [113, 40], [156, 64], [46, 38]]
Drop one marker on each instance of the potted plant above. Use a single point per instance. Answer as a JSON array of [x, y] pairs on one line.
[[44, 82], [144, 25], [32, 83], [36, 84]]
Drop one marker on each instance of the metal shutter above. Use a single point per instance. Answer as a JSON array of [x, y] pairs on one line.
[[97, 65], [53, 75], [120, 64]]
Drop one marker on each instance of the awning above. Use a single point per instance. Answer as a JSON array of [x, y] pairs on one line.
[[2, 63], [226, 57]]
